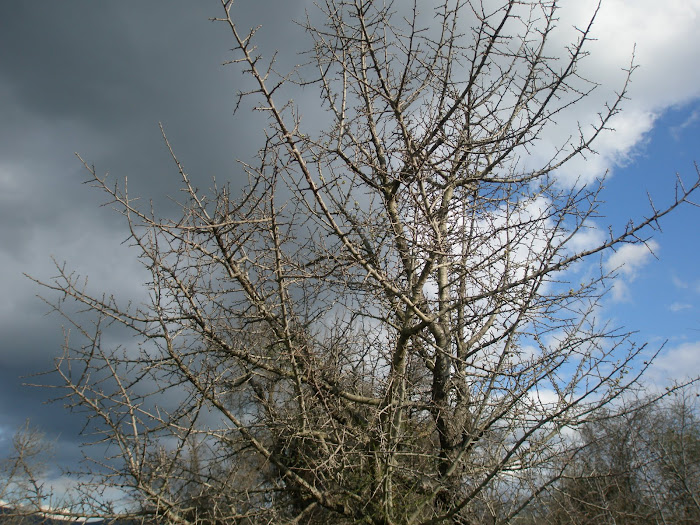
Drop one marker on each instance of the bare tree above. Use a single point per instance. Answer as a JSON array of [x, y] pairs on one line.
[[382, 327], [673, 477], [23, 490], [640, 467]]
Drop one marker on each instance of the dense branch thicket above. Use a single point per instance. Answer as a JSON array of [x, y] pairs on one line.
[[382, 327], [23, 491], [21, 471], [640, 467]]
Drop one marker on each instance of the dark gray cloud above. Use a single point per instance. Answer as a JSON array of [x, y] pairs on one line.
[[97, 78]]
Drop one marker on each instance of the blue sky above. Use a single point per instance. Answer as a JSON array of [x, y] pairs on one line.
[[663, 292], [97, 78], [661, 300]]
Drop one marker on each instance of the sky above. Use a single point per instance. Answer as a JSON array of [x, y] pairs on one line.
[[97, 78]]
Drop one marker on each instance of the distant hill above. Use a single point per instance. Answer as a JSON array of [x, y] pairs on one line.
[[9, 516]]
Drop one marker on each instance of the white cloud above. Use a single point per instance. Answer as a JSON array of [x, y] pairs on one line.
[[692, 119], [677, 307], [586, 239], [664, 37], [678, 363], [544, 398], [686, 284], [621, 292], [679, 283], [627, 261], [630, 258]]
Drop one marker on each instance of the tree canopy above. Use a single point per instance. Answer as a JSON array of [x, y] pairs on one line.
[[383, 327]]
